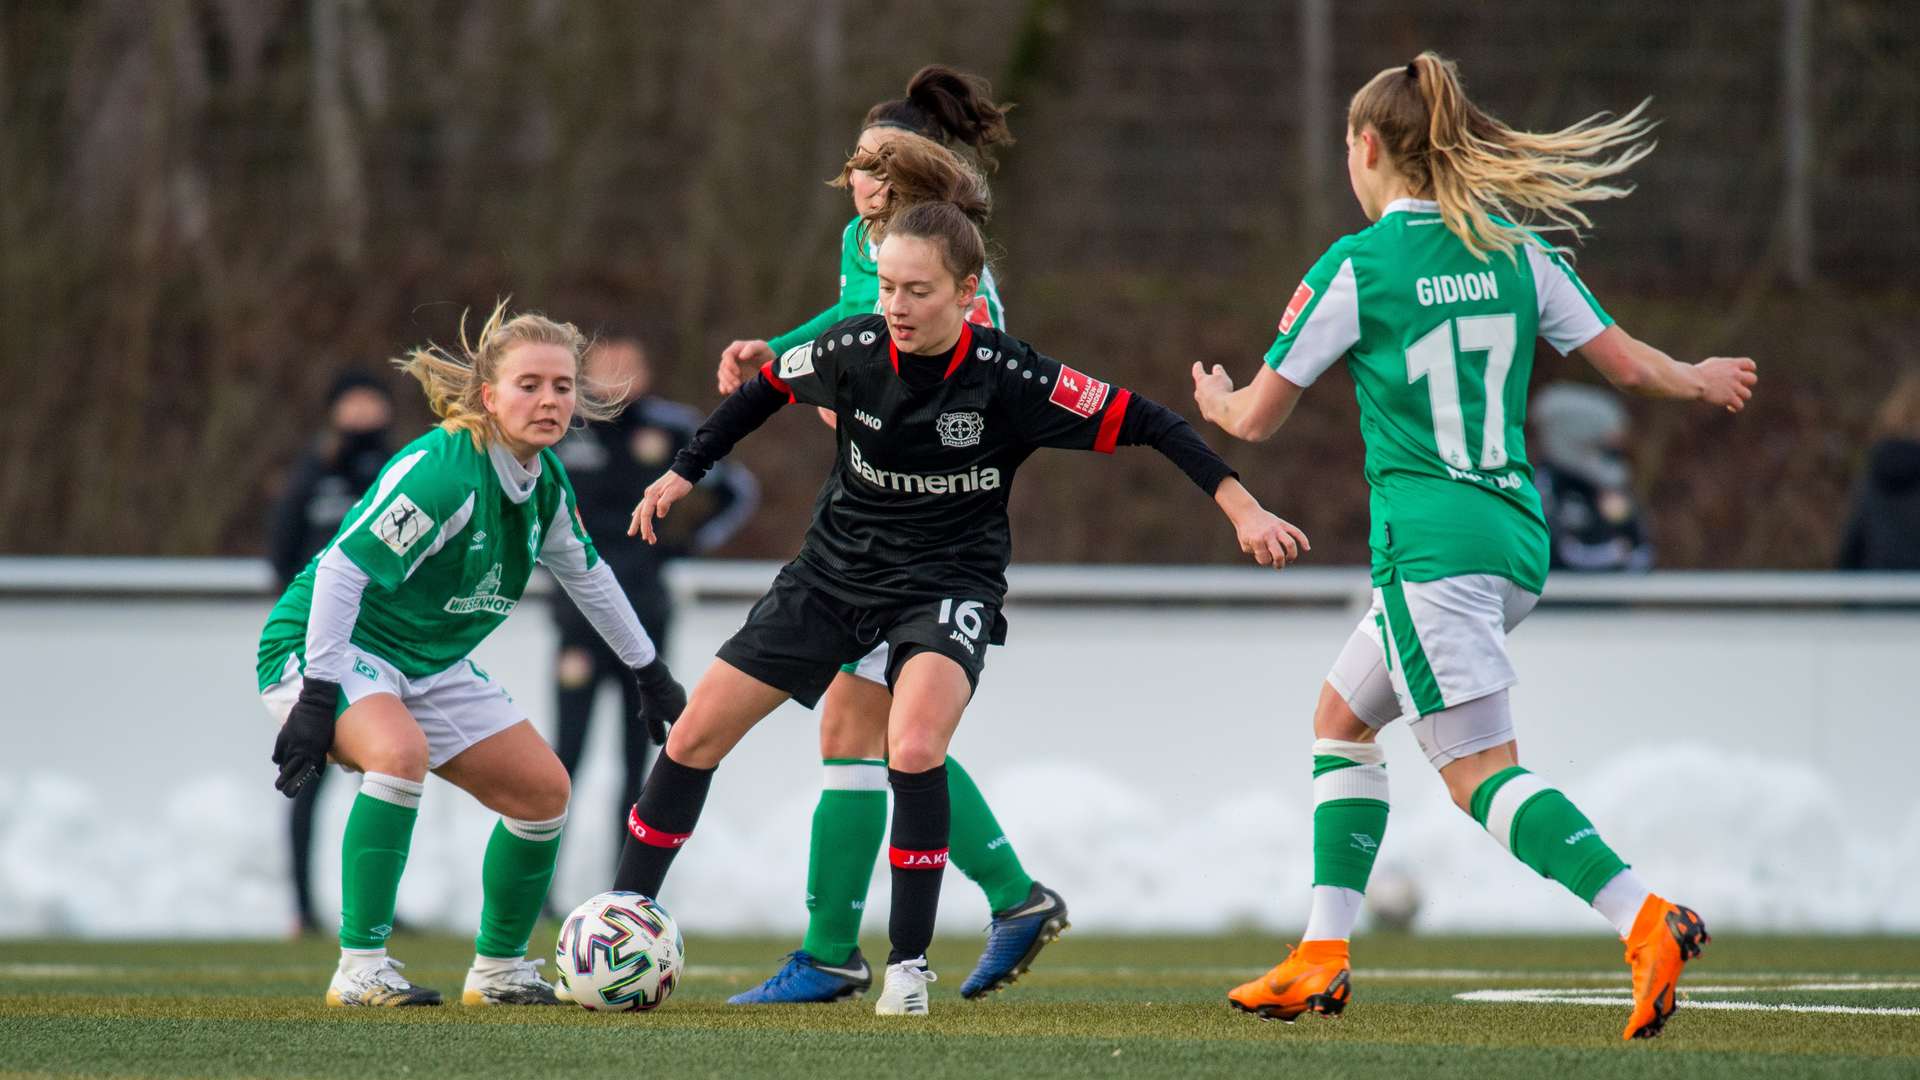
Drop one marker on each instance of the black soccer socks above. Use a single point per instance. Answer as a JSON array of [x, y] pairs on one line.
[[659, 823], [918, 851]]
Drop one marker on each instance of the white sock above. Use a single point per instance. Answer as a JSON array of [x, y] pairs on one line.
[[1335, 910], [494, 965], [361, 959], [1620, 900]]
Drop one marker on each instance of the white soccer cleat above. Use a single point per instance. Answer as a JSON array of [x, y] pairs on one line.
[[562, 989], [906, 990], [511, 982], [377, 983]]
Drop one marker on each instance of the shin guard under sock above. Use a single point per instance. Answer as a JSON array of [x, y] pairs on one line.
[[918, 852], [848, 824], [1542, 828], [372, 855], [659, 823]]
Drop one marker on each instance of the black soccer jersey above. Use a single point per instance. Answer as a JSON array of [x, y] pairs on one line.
[[916, 506]]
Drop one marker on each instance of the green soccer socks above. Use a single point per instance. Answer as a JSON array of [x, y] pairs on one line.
[[1543, 829], [372, 855], [513, 881], [1349, 821], [849, 822], [979, 849]]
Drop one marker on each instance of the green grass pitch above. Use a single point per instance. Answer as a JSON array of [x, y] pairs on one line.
[[1091, 1007]]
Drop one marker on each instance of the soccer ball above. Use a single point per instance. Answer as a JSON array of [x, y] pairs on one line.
[[1394, 898], [620, 952]]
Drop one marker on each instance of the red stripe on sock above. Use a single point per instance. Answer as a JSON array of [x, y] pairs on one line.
[[647, 834], [917, 860]]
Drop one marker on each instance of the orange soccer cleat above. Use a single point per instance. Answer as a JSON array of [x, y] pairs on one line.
[[1313, 978], [1665, 936]]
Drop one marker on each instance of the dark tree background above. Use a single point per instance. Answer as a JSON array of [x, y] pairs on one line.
[[210, 207]]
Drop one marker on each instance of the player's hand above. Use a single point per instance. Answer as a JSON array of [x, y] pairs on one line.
[[738, 362], [1209, 387], [662, 699], [829, 417], [1727, 381], [1271, 541], [661, 494], [301, 749]]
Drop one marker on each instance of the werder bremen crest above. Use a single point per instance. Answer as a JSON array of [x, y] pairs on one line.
[[485, 597]]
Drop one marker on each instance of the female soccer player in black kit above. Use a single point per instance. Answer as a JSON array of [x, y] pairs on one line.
[[909, 543]]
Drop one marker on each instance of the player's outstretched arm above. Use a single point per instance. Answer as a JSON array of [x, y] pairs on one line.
[[1271, 541], [1635, 367], [1253, 412], [737, 417]]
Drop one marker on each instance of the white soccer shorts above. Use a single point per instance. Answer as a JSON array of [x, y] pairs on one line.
[[455, 708]]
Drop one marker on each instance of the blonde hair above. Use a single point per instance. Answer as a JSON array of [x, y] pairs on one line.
[[452, 379], [1478, 168], [1899, 415]]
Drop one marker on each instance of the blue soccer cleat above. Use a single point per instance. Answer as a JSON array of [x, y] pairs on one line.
[[1014, 938], [802, 980]]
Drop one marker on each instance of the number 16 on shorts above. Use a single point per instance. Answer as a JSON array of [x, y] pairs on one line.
[[965, 618]]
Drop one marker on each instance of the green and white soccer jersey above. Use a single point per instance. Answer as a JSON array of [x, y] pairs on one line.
[[860, 293], [1440, 348], [447, 548]]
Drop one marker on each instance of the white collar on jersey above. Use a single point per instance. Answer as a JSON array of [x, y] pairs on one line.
[[1411, 206], [515, 479]]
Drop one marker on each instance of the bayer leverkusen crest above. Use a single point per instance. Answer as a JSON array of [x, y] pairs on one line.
[[960, 428]]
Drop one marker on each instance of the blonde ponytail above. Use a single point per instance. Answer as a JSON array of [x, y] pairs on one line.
[[1479, 169], [452, 380]]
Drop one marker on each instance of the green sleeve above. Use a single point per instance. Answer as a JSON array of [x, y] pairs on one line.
[[806, 331], [417, 498]]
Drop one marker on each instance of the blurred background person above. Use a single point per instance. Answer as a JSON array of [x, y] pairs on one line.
[[611, 464], [1883, 527], [1594, 522], [330, 476]]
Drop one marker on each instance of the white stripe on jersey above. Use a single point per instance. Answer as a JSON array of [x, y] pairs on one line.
[[1331, 329], [1567, 318], [455, 522]]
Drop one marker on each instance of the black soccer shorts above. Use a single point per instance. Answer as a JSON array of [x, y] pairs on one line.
[[797, 636]]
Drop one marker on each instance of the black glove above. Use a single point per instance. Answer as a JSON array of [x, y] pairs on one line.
[[661, 698], [301, 749]]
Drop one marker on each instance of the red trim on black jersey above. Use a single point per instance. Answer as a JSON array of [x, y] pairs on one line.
[[1109, 435], [775, 381], [650, 836], [953, 365]]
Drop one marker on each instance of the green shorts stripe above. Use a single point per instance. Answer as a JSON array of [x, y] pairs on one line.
[[1413, 660]]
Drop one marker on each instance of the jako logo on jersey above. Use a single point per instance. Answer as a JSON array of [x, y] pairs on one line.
[[1302, 296], [1078, 393], [867, 418], [485, 597], [960, 428], [1453, 288], [974, 479], [401, 525]]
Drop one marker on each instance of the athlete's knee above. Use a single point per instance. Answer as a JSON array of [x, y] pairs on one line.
[[850, 725], [538, 792], [1333, 718], [1464, 775], [695, 740], [403, 755], [916, 749]]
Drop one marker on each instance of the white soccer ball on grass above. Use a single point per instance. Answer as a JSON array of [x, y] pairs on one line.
[[620, 952]]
